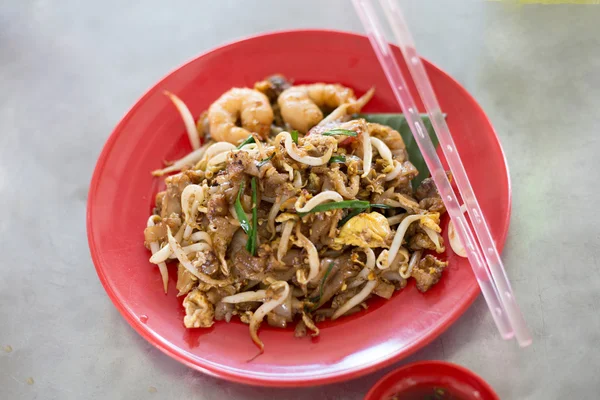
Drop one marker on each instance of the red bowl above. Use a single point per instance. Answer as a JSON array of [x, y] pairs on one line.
[[415, 381], [122, 193]]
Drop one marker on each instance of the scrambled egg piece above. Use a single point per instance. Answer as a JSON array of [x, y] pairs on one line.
[[365, 230], [432, 221], [199, 312]]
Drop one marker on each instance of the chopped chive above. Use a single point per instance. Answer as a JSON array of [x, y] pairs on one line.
[[338, 159], [360, 204], [384, 206], [341, 132], [252, 236], [239, 210], [263, 162], [315, 300], [294, 135], [249, 139], [350, 215]]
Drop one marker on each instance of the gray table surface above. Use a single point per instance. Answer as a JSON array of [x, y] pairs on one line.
[[70, 69]]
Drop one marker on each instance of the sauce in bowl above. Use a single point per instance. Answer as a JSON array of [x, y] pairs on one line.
[[431, 380], [427, 392]]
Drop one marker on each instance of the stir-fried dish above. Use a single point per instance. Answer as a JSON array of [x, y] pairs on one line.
[[292, 210]]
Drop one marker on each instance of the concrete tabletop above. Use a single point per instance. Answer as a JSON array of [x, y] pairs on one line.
[[69, 70]]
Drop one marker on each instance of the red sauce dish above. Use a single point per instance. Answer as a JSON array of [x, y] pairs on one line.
[[431, 380]]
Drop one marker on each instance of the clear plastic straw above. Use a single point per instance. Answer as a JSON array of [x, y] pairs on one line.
[[491, 277]]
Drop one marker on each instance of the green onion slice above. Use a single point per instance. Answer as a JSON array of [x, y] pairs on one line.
[[248, 140], [338, 159], [336, 205], [315, 300], [239, 210], [350, 215], [252, 236], [384, 206], [294, 135], [340, 132], [263, 162]]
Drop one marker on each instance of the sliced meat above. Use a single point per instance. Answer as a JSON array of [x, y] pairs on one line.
[[409, 171], [429, 197], [221, 236], [426, 189], [343, 268], [223, 311], [322, 225], [215, 294], [248, 266], [275, 184], [230, 179], [156, 233], [315, 182], [433, 204], [276, 321], [428, 272], [158, 202], [343, 297], [196, 176], [407, 202], [171, 200], [395, 278], [420, 241], [293, 258], [217, 207], [385, 290], [243, 159], [174, 222], [185, 280], [206, 261]]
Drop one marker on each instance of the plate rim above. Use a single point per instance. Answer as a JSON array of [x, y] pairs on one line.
[[279, 381]]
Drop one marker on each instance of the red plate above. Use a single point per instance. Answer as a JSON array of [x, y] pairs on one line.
[[425, 376], [122, 192]]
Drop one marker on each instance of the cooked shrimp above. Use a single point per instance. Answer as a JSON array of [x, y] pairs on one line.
[[248, 105], [301, 105]]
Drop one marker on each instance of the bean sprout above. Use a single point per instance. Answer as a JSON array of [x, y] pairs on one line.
[[383, 150], [187, 161], [395, 172], [187, 264], [435, 238], [355, 300], [328, 195], [266, 308], [385, 255], [309, 160], [414, 260], [188, 120], [154, 246], [244, 297], [313, 257], [285, 239]]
